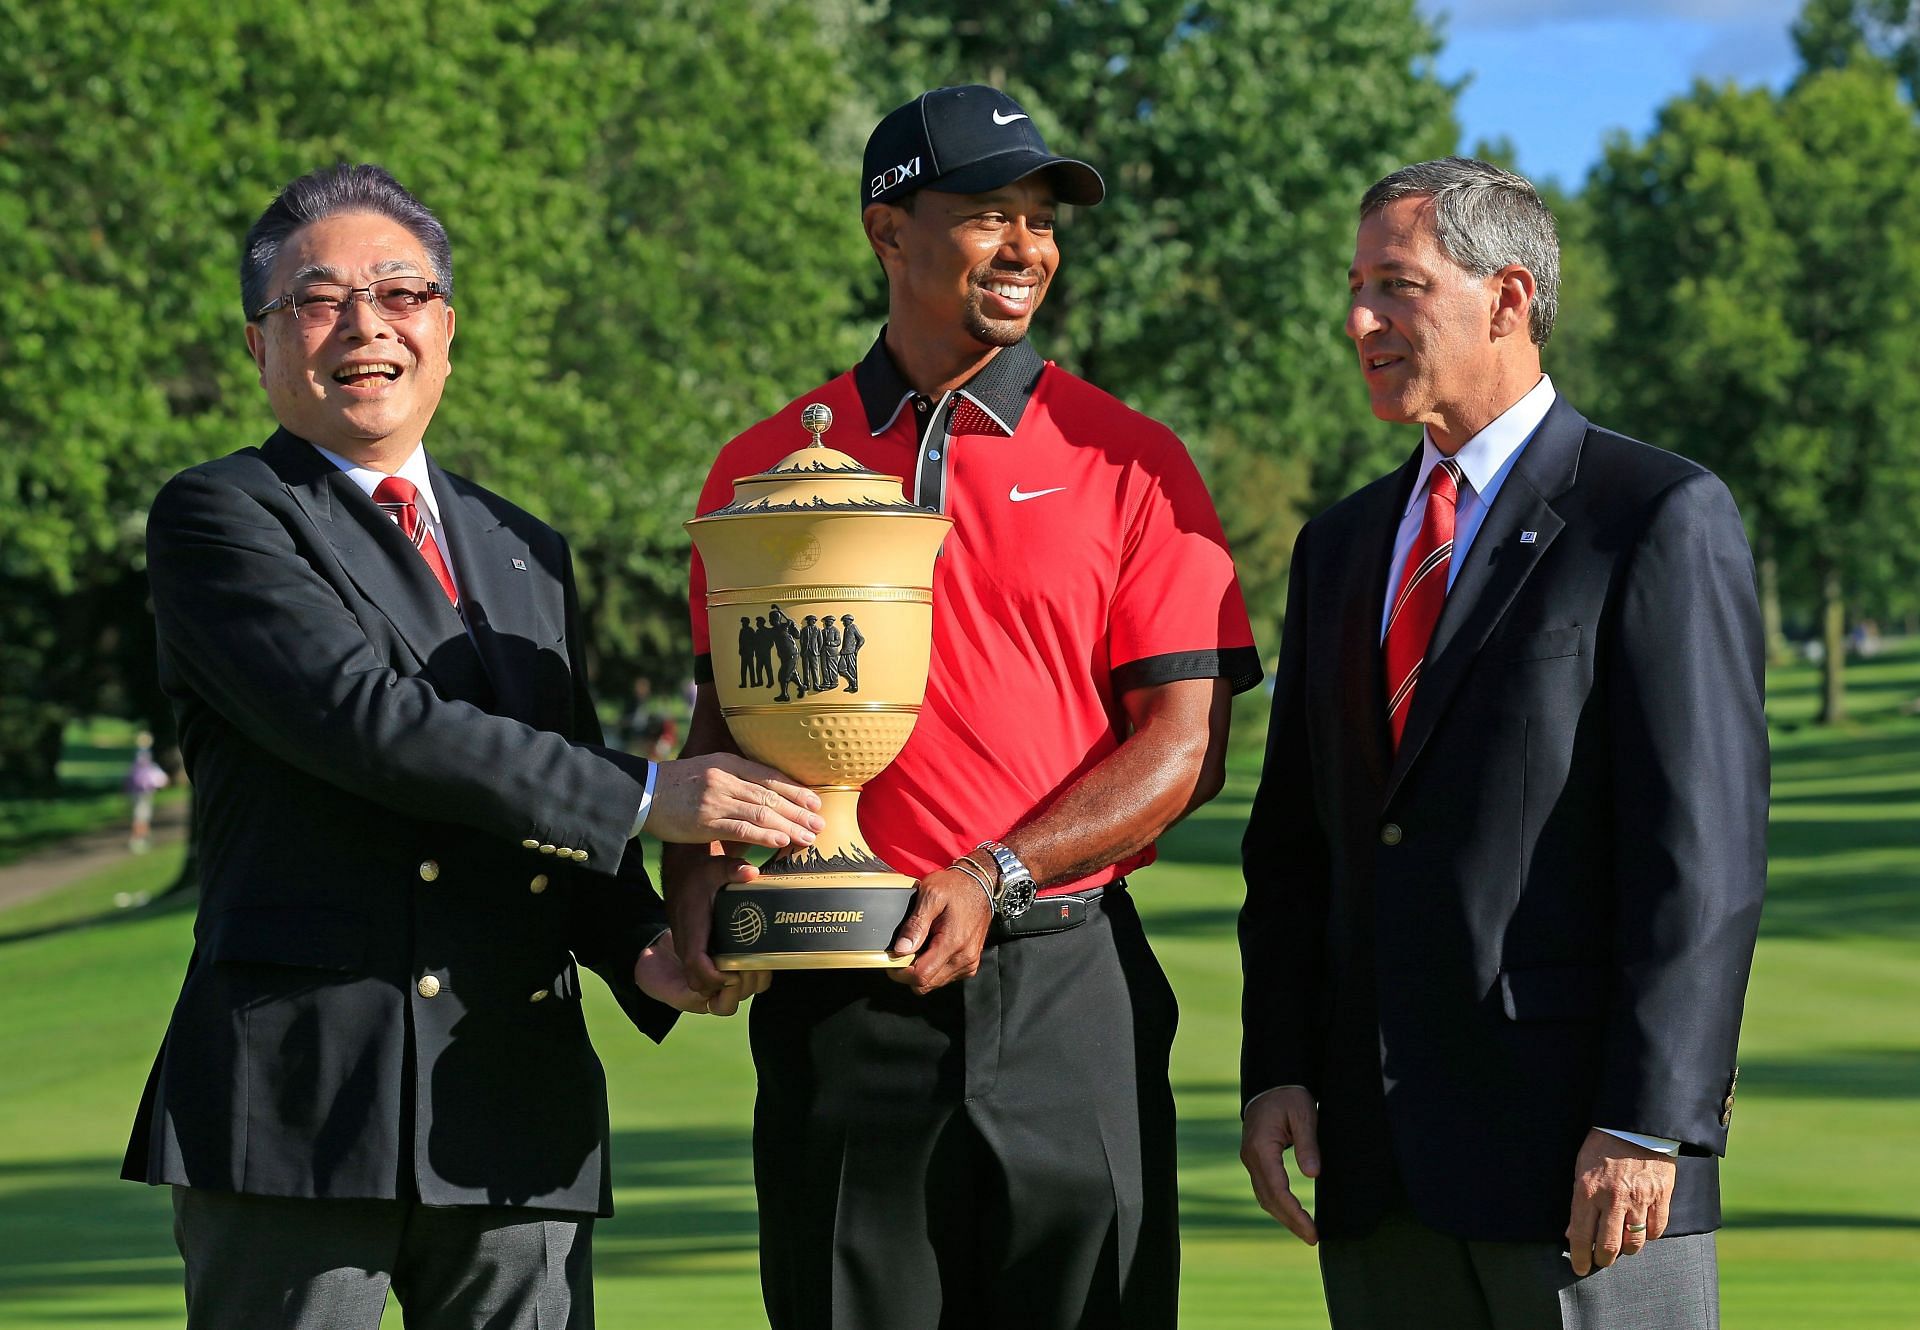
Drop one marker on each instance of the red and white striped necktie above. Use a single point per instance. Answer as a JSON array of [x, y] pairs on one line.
[[396, 495], [1422, 594]]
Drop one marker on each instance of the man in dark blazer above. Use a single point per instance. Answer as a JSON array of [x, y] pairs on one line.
[[1505, 865], [377, 1073]]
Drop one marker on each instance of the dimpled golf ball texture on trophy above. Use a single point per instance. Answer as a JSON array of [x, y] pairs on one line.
[[820, 610]]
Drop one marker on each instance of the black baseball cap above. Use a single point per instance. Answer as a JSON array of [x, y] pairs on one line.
[[966, 140]]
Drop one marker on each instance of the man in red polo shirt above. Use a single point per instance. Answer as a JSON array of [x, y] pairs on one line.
[[991, 1137]]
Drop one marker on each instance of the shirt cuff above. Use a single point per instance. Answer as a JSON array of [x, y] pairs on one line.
[[1264, 1093], [1658, 1144], [646, 800]]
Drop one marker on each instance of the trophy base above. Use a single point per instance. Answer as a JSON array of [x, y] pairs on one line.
[[813, 960], [812, 922]]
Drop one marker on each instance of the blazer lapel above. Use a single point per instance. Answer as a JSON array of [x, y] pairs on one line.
[[1362, 589], [381, 563], [495, 572], [1494, 571]]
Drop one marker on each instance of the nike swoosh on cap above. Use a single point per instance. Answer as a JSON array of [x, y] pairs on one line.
[[1017, 496], [999, 119]]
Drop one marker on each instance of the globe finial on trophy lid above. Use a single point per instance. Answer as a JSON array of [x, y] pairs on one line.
[[816, 418]]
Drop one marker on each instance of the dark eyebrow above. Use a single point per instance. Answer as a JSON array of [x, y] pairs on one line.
[[1390, 265], [317, 272], [321, 272]]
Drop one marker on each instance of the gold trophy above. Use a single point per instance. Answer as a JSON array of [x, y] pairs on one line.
[[820, 612]]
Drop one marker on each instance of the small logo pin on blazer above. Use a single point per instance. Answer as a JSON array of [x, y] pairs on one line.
[[521, 564], [1526, 538]]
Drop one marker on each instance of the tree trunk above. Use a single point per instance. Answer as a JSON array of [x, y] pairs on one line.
[[1778, 652], [1833, 660]]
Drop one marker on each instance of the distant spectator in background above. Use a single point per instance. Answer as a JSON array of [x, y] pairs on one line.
[[144, 779], [640, 726]]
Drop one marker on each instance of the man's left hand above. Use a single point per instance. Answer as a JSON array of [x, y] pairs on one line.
[[1620, 1197], [947, 926], [660, 976]]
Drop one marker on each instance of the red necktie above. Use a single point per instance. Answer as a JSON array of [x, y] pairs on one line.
[[1422, 593], [396, 496]]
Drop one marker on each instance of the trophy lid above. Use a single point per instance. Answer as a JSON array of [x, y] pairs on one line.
[[818, 479]]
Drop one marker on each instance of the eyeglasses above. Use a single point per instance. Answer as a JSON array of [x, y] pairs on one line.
[[392, 298]]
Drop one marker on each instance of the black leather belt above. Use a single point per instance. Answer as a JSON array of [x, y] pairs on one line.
[[1053, 914]]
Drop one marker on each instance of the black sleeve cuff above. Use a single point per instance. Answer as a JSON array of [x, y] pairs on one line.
[[703, 669], [1239, 666]]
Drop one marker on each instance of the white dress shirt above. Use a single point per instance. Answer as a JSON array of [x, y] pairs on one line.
[[415, 470], [1485, 460]]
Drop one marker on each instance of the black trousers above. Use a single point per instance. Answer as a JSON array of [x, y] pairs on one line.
[[999, 1153]]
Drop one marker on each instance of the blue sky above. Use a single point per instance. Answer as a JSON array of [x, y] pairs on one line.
[[1557, 76]]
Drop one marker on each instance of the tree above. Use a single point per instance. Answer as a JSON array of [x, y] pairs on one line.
[[1833, 34], [1208, 290], [1764, 309], [642, 270]]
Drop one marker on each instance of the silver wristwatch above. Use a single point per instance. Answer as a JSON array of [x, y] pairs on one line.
[[1014, 894]]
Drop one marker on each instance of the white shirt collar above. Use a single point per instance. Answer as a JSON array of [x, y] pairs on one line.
[[414, 469], [1482, 457]]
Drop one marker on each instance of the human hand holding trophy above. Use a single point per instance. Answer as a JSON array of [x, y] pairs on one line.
[[828, 572]]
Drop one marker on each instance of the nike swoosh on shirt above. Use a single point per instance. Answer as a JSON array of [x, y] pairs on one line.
[[1017, 496], [999, 119]]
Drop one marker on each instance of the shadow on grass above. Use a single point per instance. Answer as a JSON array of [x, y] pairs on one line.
[[182, 896], [1770, 1219], [1212, 1140], [684, 1195], [72, 1226], [1865, 1073]]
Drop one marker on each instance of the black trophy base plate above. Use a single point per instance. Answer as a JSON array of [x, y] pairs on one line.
[[809, 928]]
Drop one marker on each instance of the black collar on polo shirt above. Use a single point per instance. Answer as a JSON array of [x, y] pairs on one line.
[[1002, 387]]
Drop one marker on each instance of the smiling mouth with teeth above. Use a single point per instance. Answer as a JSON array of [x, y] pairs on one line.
[[370, 372]]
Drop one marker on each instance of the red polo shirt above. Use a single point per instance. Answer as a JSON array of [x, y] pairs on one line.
[[1085, 560]]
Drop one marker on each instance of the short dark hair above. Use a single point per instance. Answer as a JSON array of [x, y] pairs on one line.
[[1485, 219], [328, 192]]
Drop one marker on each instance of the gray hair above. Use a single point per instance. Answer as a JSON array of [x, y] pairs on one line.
[[328, 192], [1486, 219]]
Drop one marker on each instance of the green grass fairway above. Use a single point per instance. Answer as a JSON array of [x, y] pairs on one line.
[[1822, 1187]]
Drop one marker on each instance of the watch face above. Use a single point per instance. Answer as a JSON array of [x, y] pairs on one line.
[[1017, 899]]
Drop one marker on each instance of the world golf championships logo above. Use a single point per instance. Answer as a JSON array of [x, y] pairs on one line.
[[748, 923]]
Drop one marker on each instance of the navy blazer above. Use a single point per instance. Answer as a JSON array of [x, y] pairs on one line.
[[1538, 917], [383, 998]]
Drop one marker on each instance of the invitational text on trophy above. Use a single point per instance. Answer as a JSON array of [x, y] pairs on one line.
[[820, 610]]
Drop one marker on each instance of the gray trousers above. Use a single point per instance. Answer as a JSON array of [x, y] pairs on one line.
[[275, 1263], [1404, 1276]]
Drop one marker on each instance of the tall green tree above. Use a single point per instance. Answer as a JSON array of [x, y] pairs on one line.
[[1764, 312], [1832, 34], [641, 271], [1236, 137]]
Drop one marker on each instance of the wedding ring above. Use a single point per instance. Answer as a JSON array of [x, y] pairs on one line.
[[1636, 1228]]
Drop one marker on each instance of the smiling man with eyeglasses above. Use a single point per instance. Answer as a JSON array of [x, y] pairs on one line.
[[377, 1076]]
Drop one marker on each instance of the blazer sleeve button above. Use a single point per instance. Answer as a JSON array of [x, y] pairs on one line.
[[529, 844], [1391, 834], [546, 849], [429, 871]]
